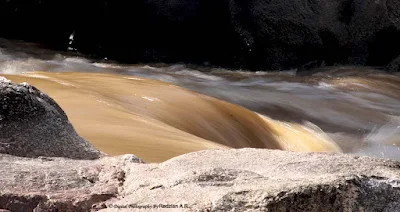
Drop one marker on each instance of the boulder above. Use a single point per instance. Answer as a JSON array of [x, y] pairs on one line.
[[209, 180], [263, 180], [33, 125]]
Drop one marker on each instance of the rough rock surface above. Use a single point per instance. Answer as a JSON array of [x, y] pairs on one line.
[[59, 184], [253, 34], [210, 180], [394, 66], [32, 125]]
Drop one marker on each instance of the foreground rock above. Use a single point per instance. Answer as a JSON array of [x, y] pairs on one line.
[[32, 125], [211, 180], [59, 184]]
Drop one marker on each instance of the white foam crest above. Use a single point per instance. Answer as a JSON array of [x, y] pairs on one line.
[[76, 60], [61, 82], [198, 74], [382, 142], [106, 65], [325, 86], [134, 78], [17, 67], [3, 79], [150, 67], [160, 77], [388, 134], [151, 99]]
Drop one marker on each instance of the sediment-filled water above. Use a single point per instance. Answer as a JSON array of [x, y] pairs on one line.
[[158, 111]]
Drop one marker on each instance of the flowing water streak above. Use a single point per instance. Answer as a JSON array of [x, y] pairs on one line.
[[156, 120], [356, 107]]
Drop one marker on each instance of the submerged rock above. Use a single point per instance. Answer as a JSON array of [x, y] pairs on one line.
[[210, 180], [33, 125]]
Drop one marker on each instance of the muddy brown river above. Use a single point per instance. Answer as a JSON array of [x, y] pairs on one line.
[[158, 111]]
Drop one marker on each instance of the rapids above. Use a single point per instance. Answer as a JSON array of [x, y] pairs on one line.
[[158, 111]]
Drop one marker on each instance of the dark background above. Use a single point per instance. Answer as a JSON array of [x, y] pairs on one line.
[[248, 34]]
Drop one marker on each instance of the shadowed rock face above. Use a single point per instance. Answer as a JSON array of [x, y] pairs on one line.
[[32, 125], [253, 34], [394, 66], [210, 180]]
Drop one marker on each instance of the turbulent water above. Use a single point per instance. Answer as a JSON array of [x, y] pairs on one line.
[[158, 111]]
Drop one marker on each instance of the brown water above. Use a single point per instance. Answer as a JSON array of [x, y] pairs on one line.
[[159, 111]]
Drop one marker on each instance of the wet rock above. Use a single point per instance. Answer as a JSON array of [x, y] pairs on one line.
[[33, 125]]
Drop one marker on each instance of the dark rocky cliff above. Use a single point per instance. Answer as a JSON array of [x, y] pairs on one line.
[[251, 34]]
